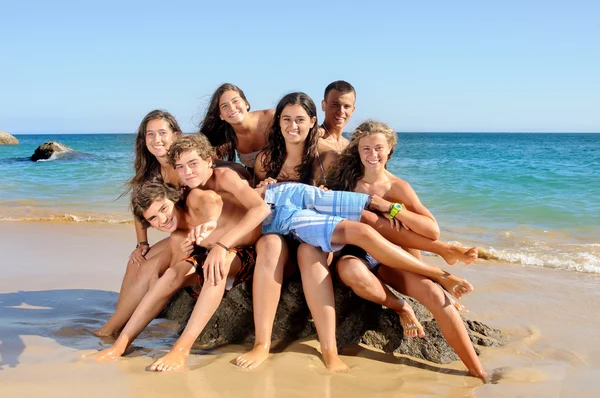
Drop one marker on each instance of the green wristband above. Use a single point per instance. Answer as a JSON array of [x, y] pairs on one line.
[[395, 208]]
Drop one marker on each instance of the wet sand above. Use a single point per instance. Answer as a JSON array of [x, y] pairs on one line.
[[60, 280]]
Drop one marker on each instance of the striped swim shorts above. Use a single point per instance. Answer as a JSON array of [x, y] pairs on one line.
[[310, 214]]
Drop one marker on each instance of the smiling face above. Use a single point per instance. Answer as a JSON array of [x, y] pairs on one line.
[[162, 215], [295, 123], [232, 107], [374, 151], [193, 171], [338, 108], [159, 137]]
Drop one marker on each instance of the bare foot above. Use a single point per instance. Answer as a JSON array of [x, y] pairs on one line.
[[174, 360], [334, 363], [456, 253], [253, 358], [109, 354], [457, 287], [104, 332], [412, 327], [481, 375]]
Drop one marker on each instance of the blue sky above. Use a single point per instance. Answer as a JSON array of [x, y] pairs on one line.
[[89, 67]]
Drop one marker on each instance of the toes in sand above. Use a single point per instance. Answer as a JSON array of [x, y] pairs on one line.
[[334, 363], [253, 358], [174, 360], [108, 354]]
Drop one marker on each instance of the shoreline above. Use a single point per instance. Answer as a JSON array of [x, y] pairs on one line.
[[61, 278]]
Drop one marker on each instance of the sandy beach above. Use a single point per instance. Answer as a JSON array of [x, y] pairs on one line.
[[59, 280]]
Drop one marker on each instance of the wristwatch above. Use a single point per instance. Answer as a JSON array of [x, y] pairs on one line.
[[395, 208]]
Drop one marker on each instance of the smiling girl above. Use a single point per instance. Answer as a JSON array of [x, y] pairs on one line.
[[361, 167], [231, 127], [291, 154], [157, 131]]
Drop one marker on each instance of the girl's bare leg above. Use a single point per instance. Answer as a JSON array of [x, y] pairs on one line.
[[208, 301], [272, 255], [409, 239], [459, 307], [318, 290], [136, 283], [431, 296], [153, 302], [355, 274], [365, 237]]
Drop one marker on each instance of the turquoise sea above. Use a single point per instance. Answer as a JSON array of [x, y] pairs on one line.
[[530, 199]]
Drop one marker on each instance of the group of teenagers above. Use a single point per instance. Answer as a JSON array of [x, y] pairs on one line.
[[305, 198]]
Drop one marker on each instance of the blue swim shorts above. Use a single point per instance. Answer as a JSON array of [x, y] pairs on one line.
[[310, 214]]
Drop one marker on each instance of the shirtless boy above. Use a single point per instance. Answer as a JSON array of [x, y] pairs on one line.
[[338, 105]]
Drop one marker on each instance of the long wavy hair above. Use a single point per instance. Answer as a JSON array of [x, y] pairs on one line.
[[146, 165], [347, 169], [275, 151], [220, 133]]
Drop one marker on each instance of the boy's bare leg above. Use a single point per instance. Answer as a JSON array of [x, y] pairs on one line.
[[406, 238], [271, 257], [365, 237], [364, 283], [136, 283], [318, 290], [153, 302], [431, 296], [208, 301]]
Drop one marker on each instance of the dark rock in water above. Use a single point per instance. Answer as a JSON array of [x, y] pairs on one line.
[[7, 139], [46, 150], [358, 321]]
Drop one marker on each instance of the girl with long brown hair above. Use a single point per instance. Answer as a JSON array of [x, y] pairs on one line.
[[155, 134], [291, 154], [232, 129]]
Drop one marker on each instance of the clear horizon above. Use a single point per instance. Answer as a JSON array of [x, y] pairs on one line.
[[349, 132], [465, 67]]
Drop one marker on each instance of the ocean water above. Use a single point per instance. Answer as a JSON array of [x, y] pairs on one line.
[[530, 199]]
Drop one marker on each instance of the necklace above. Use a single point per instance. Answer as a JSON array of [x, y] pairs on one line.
[[337, 143]]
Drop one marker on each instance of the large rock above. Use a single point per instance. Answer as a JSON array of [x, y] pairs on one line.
[[7, 139], [46, 150], [358, 321]]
